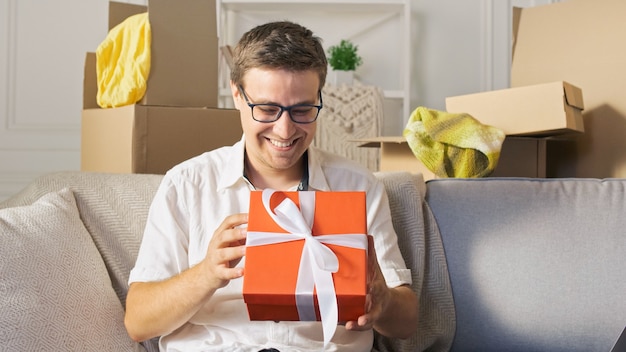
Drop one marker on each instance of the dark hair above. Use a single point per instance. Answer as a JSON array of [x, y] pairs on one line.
[[279, 45]]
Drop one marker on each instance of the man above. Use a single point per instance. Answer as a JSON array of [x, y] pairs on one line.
[[187, 283]]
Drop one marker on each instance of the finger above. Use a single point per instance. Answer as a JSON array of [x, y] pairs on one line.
[[230, 232], [371, 249], [224, 263], [227, 255], [233, 221], [363, 323], [372, 261], [224, 273], [233, 237]]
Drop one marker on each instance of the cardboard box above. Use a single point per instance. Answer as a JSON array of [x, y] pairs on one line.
[[522, 157], [396, 155], [148, 139], [581, 42], [184, 51], [519, 156], [537, 110], [269, 286], [152, 139]]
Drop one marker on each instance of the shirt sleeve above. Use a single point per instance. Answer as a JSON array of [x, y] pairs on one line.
[[164, 247], [380, 227]]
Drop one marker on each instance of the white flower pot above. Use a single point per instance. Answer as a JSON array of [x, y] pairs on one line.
[[338, 77]]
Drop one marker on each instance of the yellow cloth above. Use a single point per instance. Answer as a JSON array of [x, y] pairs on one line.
[[453, 144], [123, 62]]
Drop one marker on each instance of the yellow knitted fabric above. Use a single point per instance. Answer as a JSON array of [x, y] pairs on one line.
[[123, 62], [453, 144]]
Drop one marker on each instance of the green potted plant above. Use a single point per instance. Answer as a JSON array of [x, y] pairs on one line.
[[343, 60]]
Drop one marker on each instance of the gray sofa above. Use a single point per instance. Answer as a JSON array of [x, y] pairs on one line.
[[498, 264]]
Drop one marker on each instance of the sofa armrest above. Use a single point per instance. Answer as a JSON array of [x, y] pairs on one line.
[[422, 250]]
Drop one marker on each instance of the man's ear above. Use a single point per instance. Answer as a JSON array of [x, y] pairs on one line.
[[234, 91]]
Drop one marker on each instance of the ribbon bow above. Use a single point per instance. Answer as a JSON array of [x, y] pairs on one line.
[[317, 263]]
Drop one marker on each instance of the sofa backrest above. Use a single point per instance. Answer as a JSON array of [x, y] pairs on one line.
[[535, 264], [114, 208]]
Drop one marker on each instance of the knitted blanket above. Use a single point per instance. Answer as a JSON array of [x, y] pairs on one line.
[[453, 144]]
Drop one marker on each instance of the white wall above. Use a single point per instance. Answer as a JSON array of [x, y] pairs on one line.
[[459, 46], [42, 50]]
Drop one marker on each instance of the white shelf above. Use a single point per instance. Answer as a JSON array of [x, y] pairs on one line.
[[394, 94], [312, 5], [381, 29], [388, 94]]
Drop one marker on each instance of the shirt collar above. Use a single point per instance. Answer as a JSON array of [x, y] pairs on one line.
[[233, 168], [317, 179], [233, 172]]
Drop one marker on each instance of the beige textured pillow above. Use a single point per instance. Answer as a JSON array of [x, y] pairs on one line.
[[55, 292]]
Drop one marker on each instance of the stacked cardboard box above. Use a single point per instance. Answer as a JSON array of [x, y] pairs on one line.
[[519, 157], [543, 108], [178, 116], [579, 41], [547, 109], [531, 116]]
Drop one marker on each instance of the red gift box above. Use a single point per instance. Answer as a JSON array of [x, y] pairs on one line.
[[272, 271]]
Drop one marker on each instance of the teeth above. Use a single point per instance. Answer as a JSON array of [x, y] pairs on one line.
[[280, 144]]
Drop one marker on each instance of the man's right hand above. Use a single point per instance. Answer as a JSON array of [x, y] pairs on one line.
[[226, 248], [157, 308]]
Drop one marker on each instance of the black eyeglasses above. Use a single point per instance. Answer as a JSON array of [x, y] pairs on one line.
[[299, 113]]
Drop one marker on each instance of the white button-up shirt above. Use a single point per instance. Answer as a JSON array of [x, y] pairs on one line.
[[193, 200]]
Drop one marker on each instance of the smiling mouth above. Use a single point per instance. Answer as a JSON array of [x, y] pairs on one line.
[[281, 144]]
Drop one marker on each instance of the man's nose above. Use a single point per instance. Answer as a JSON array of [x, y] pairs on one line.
[[284, 125]]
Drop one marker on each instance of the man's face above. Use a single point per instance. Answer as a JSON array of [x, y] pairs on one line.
[[276, 145]]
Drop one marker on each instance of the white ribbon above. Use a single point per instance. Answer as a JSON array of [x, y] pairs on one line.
[[317, 262]]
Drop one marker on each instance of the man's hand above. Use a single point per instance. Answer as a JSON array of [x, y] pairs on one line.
[[159, 307], [226, 248], [390, 311]]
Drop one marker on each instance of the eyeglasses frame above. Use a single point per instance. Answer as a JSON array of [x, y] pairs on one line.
[[283, 108]]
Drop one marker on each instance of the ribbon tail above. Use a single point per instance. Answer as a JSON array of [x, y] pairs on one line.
[[305, 284], [327, 301]]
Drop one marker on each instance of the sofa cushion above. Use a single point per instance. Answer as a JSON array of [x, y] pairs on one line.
[[535, 264], [56, 292], [113, 207]]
